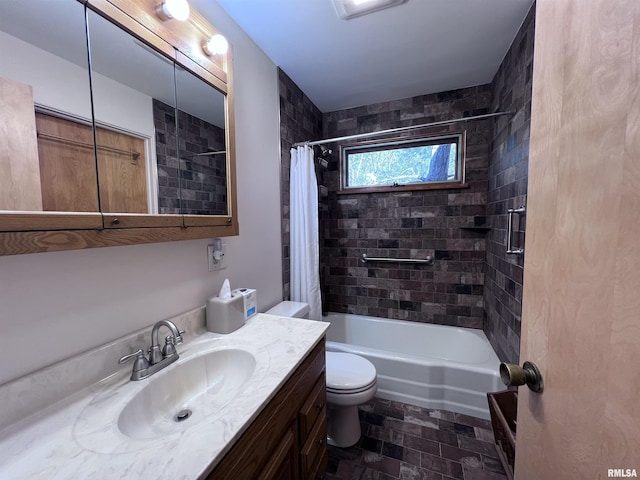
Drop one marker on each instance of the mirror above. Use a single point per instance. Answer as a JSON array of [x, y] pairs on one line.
[[44, 91], [134, 168], [134, 113], [62, 190], [160, 130], [202, 146]]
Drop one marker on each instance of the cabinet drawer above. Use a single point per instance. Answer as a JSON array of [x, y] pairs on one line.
[[315, 447], [312, 407]]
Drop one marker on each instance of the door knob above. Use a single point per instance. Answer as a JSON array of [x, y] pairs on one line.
[[529, 374]]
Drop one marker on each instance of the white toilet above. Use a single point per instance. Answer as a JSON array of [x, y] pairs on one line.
[[351, 381]]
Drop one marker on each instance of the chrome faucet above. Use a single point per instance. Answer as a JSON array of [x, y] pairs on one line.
[[143, 368], [169, 349]]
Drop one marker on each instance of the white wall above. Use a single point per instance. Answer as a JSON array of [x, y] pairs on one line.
[[64, 87], [56, 82], [55, 305]]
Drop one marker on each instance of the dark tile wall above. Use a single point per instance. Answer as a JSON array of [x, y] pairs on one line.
[[410, 224], [203, 188], [474, 283], [508, 169], [300, 120], [164, 119]]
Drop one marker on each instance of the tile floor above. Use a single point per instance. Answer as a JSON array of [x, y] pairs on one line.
[[402, 441]]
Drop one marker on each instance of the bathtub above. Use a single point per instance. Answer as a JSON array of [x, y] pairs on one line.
[[432, 366]]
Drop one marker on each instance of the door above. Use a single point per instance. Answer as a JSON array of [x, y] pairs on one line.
[[121, 172], [20, 180], [581, 304], [67, 165], [68, 168]]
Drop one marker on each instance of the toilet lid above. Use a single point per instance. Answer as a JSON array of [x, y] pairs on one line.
[[346, 371]]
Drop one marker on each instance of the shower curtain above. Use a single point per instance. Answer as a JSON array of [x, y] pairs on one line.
[[304, 250]]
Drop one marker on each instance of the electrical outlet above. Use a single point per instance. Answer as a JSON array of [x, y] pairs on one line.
[[215, 256]]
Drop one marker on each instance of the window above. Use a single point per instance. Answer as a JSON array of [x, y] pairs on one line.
[[418, 163]]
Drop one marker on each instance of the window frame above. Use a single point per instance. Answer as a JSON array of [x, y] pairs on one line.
[[460, 138]]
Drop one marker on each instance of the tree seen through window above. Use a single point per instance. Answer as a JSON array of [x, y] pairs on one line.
[[402, 163]]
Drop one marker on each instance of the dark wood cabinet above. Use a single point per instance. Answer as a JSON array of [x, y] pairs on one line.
[[287, 441], [283, 464], [312, 421]]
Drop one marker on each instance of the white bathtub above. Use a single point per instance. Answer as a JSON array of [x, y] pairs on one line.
[[432, 366]]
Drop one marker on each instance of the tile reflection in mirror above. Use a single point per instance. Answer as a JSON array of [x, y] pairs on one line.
[[202, 146]]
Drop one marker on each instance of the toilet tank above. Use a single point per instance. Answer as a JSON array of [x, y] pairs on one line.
[[290, 309]]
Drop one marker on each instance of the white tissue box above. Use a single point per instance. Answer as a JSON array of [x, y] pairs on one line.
[[225, 315], [250, 301]]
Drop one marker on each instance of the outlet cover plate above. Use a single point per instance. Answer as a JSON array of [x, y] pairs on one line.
[[216, 263]]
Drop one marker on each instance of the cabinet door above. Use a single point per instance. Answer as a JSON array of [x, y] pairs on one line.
[[283, 463], [312, 408], [314, 450]]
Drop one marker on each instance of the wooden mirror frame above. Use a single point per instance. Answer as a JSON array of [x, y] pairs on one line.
[[34, 232]]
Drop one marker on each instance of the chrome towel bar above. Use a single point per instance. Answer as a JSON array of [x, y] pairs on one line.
[[429, 260]]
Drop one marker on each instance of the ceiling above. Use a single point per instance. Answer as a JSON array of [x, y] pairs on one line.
[[416, 48]]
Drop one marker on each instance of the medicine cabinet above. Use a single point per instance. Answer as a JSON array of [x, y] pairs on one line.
[[116, 128]]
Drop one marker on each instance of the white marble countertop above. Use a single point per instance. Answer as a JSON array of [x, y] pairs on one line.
[[79, 437]]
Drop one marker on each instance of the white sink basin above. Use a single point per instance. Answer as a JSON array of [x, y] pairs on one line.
[[192, 390], [125, 416]]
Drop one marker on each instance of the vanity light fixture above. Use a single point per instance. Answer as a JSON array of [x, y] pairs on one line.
[[216, 45], [347, 9], [178, 9]]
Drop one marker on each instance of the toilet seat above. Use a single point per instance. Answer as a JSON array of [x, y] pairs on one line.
[[341, 391], [348, 373]]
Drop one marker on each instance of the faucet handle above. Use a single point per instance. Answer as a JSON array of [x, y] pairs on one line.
[[141, 362], [126, 358], [169, 346]]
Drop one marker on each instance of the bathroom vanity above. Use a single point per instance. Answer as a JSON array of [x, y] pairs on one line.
[[288, 439], [256, 402]]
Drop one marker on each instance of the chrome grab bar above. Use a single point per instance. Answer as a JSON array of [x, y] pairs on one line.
[[429, 260], [510, 249]]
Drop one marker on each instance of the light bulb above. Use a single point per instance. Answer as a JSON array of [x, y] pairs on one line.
[[178, 9], [216, 45]]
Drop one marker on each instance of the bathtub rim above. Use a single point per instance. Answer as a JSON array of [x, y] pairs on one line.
[[491, 359]]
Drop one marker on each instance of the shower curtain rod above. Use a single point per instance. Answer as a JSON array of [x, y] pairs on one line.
[[401, 129]]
